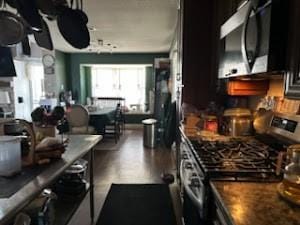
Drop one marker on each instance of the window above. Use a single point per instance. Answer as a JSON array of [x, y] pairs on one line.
[[36, 73], [127, 81]]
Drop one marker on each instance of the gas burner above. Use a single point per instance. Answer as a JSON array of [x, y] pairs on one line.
[[236, 158]]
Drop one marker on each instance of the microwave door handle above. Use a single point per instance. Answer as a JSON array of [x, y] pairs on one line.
[[258, 43], [244, 38]]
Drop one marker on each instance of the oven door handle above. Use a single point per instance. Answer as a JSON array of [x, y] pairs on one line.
[[198, 202]]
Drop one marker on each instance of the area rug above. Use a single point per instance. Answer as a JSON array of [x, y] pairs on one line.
[[138, 204], [109, 144]]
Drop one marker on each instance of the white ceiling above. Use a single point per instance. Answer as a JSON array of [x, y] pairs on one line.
[[133, 26]]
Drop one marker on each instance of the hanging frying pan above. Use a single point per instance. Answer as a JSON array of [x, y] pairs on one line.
[[47, 7], [11, 3], [12, 28], [28, 10], [73, 28], [80, 12], [43, 37]]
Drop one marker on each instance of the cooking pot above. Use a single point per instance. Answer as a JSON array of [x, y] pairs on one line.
[[237, 122]]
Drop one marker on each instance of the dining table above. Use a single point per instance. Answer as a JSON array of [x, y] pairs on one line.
[[101, 117]]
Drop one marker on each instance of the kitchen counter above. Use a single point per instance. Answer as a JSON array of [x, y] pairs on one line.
[[245, 203], [79, 145]]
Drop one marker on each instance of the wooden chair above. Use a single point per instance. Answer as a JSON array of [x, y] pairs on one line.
[[121, 119], [78, 119], [113, 128]]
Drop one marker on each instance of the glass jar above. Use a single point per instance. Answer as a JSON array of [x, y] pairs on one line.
[[210, 123], [291, 178]]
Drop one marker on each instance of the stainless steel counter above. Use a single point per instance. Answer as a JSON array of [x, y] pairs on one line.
[[79, 145]]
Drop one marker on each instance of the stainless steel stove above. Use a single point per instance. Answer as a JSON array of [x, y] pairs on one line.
[[235, 159]]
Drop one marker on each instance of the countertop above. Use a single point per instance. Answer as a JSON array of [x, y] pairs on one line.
[[247, 203], [79, 145]]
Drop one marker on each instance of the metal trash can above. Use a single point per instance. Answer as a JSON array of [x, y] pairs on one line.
[[149, 133]]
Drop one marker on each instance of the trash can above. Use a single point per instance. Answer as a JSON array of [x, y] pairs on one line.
[[149, 133]]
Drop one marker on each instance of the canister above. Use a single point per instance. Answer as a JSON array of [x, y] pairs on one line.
[[10, 155]]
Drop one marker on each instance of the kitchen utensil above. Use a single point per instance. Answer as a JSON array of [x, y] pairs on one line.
[[262, 119], [26, 46], [290, 187], [10, 155], [47, 7], [43, 37], [12, 28], [73, 28], [237, 122], [28, 10]]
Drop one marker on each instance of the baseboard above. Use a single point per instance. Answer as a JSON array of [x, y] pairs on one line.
[[133, 126]]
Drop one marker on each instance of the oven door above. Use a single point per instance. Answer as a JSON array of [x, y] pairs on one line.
[[193, 189]]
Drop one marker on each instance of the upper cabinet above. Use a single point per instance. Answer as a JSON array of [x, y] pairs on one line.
[[199, 72], [292, 85]]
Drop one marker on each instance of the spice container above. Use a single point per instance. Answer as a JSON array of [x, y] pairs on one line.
[[210, 123]]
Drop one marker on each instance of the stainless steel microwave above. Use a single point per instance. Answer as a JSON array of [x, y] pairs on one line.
[[253, 40]]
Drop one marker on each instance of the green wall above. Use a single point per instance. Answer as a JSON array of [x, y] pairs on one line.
[[77, 72], [61, 70]]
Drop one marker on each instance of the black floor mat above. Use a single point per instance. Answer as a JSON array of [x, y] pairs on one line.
[[138, 204]]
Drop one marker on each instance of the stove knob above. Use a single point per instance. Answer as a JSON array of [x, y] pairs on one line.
[[185, 156], [195, 182], [188, 165]]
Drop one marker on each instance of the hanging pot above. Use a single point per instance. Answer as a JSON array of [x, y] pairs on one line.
[[73, 28], [28, 10], [12, 28], [43, 38]]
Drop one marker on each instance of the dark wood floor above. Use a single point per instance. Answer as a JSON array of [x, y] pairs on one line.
[[132, 163]]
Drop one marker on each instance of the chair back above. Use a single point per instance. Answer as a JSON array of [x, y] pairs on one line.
[[118, 113], [78, 116]]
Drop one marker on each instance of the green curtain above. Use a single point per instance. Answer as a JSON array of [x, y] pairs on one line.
[[150, 81], [85, 83]]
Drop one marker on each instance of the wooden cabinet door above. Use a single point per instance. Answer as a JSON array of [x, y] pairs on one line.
[[292, 84]]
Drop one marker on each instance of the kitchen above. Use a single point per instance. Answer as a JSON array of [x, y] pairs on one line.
[[232, 70]]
